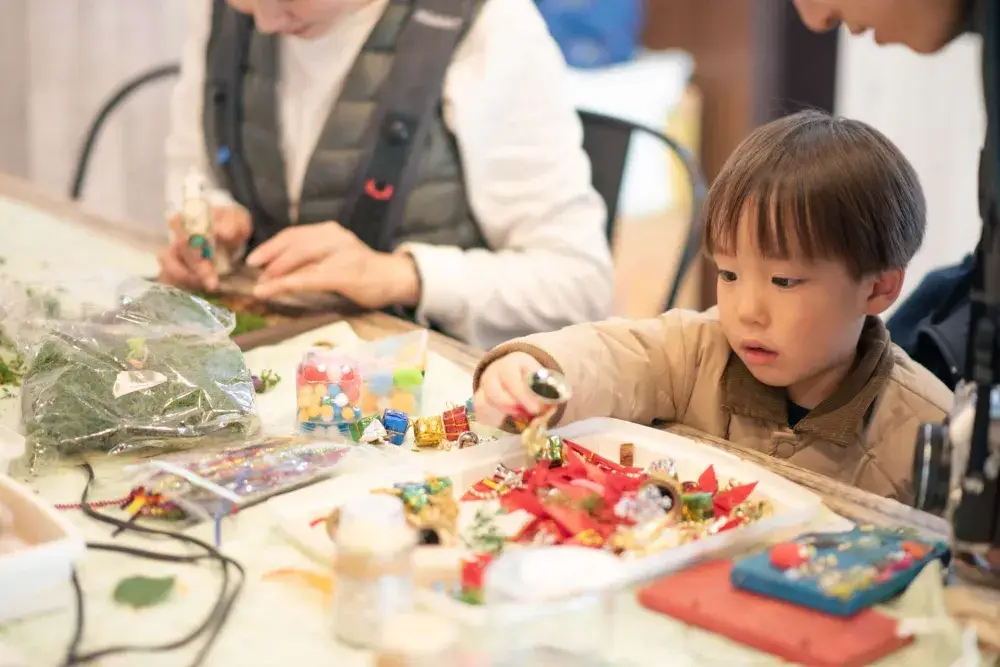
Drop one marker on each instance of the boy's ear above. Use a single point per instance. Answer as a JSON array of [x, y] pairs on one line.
[[885, 289]]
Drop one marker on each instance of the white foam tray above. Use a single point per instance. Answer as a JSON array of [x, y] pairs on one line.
[[36, 578], [793, 505]]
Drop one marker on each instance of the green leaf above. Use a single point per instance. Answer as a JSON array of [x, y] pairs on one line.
[[140, 592]]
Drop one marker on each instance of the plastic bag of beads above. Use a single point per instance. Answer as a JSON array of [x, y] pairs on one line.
[[134, 367], [210, 485], [348, 391]]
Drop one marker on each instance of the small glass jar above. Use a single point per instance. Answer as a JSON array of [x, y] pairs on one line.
[[419, 639], [551, 607], [373, 582]]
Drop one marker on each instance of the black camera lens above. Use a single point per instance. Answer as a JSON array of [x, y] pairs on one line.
[[931, 468]]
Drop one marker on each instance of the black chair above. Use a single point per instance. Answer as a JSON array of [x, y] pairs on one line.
[[606, 141], [116, 100]]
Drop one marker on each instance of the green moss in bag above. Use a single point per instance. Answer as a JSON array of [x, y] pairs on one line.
[[159, 373]]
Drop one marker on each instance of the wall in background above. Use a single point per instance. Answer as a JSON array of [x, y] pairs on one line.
[[59, 62], [931, 107]]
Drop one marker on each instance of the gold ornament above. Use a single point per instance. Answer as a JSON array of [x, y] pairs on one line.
[[428, 431]]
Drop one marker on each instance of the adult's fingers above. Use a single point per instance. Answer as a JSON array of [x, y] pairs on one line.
[[306, 279], [231, 225], [173, 270], [202, 270]]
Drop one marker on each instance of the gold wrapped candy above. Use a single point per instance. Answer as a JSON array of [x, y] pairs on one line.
[[428, 431]]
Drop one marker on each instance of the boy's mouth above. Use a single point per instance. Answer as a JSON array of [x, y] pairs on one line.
[[755, 353]]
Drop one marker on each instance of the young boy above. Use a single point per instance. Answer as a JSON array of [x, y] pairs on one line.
[[811, 224]]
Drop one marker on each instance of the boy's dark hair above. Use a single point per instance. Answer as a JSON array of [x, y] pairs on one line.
[[819, 187]]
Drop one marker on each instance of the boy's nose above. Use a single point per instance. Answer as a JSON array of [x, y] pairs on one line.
[[751, 308]]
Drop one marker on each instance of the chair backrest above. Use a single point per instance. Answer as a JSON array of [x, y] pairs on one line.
[[606, 140]]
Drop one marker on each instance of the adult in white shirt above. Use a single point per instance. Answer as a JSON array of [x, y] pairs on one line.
[[513, 243]]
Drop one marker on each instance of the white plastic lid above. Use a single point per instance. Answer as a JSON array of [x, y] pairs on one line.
[[373, 521]]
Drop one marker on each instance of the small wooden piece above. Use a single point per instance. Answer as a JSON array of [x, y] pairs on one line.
[[626, 454]]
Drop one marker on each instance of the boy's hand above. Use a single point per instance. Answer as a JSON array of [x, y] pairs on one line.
[[183, 266], [503, 389]]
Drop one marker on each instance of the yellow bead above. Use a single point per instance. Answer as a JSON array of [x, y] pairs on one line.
[[320, 390], [314, 410], [347, 414], [326, 413], [306, 395], [303, 415], [404, 402]]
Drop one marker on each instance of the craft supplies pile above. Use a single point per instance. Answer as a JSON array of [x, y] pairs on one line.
[[153, 372]]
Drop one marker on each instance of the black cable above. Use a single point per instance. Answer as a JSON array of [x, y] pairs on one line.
[[102, 116], [212, 625]]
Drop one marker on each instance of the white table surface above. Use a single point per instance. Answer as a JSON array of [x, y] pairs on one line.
[[273, 623]]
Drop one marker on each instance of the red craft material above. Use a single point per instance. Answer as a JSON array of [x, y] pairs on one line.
[[703, 596], [456, 422], [473, 572]]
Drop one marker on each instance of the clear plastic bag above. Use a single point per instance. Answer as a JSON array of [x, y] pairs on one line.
[[212, 485], [125, 368]]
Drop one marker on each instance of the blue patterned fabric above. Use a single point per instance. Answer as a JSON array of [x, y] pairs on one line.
[[842, 573], [595, 33]]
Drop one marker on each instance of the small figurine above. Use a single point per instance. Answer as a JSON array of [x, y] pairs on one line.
[[196, 221], [553, 391]]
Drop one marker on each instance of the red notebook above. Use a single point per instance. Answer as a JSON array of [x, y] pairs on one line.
[[703, 597]]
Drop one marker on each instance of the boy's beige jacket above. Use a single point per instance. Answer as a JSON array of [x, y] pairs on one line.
[[679, 367]]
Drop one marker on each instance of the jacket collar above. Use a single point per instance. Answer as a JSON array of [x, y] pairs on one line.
[[837, 419]]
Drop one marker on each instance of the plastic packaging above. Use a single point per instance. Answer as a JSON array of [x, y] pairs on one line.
[[212, 485], [344, 390], [125, 369], [11, 448]]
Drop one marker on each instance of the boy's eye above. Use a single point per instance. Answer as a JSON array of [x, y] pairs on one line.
[[727, 276], [785, 282]]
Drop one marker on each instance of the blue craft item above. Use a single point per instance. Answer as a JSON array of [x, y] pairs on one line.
[[470, 409], [380, 383], [344, 428], [308, 427], [333, 390], [396, 424], [838, 573]]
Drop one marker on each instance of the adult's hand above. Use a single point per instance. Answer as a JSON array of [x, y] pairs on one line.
[[325, 257], [183, 266]]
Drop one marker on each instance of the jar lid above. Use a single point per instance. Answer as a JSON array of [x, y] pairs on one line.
[[548, 574], [373, 521]]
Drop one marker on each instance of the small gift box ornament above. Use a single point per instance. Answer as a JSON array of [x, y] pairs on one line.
[[396, 424], [428, 431], [456, 422], [374, 433], [473, 575], [357, 429]]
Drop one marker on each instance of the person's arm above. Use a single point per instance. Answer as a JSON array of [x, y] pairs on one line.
[[185, 145], [635, 370], [528, 181]]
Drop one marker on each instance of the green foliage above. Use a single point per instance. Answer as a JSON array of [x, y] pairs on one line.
[[141, 592], [68, 396]]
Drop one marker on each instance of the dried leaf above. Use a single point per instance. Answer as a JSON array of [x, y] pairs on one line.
[[141, 592]]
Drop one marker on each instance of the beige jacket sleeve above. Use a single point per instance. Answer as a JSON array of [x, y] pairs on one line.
[[636, 370]]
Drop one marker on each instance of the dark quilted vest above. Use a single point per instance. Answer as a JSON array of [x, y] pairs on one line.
[[437, 209]]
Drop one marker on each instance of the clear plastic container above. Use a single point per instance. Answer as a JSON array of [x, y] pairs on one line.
[[551, 607], [373, 573]]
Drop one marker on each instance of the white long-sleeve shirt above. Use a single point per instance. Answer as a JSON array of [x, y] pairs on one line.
[[527, 178]]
